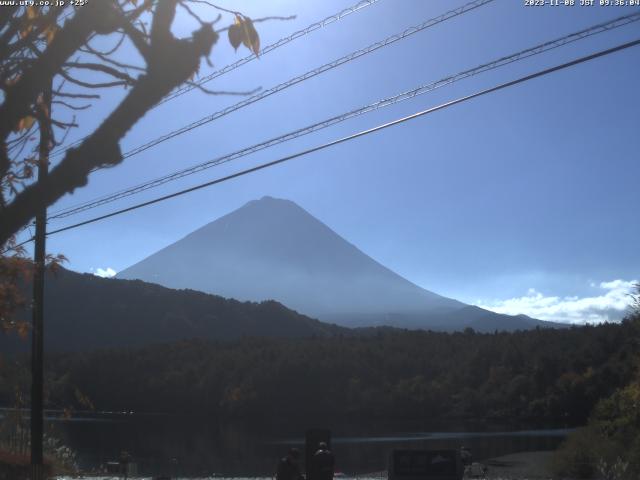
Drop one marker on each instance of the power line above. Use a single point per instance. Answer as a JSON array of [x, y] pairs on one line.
[[232, 66], [306, 76], [523, 54], [362, 133], [310, 74]]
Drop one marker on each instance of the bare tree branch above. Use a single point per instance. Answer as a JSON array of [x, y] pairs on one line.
[[111, 61], [88, 48], [99, 67], [72, 107], [137, 38], [41, 49], [58, 93], [262, 19], [81, 83], [61, 124], [36, 28], [34, 80], [222, 92], [172, 62]]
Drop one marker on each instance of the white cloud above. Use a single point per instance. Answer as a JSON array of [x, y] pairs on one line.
[[611, 304], [104, 272]]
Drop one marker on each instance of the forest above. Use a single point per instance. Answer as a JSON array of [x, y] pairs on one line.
[[586, 377], [538, 376]]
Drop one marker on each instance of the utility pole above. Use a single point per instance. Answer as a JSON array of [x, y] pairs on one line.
[[39, 254]]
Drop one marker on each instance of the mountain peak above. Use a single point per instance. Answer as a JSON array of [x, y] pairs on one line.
[[269, 200], [271, 248], [268, 205], [272, 202]]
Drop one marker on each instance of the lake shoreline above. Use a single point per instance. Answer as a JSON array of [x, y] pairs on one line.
[[530, 465], [527, 465]]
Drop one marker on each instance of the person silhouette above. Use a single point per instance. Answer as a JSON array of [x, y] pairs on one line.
[[124, 461], [466, 456], [289, 466], [324, 462]]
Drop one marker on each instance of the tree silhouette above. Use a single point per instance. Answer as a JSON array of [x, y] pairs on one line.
[[52, 66], [41, 47]]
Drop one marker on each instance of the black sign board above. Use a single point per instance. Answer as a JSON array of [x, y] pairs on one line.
[[425, 465]]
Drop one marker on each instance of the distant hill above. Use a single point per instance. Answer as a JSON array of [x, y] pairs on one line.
[[273, 249], [84, 312], [469, 316]]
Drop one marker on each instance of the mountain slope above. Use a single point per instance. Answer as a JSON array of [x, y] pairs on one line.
[[83, 312], [273, 249]]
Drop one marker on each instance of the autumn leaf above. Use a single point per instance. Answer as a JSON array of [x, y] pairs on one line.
[[30, 15], [32, 12], [27, 171], [23, 329], [25, 123], [12, 81], [243, 31], [50, 32], [44, 108], [25, 31], [235, 33], [250, 39]]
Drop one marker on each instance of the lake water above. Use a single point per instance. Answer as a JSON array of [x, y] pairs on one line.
[[198, 447]]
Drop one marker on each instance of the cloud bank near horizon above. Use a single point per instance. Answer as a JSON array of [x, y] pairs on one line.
[[610, 305], [104, 272]]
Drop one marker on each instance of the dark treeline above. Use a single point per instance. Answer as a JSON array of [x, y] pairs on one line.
[[539, 376]]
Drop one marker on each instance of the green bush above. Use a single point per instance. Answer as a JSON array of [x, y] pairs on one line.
[[578, 455], [609, 447]]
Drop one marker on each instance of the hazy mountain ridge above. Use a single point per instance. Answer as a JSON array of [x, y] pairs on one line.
[[83, 312], [273, 249]]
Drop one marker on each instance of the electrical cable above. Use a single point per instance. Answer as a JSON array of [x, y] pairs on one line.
[[506, 60], [362, 133], [232, 66], [305, 76]]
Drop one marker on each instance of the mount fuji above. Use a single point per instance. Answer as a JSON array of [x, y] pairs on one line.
[[272, 249]]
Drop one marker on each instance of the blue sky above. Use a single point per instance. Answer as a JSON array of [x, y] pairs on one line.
[[525, 200]]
